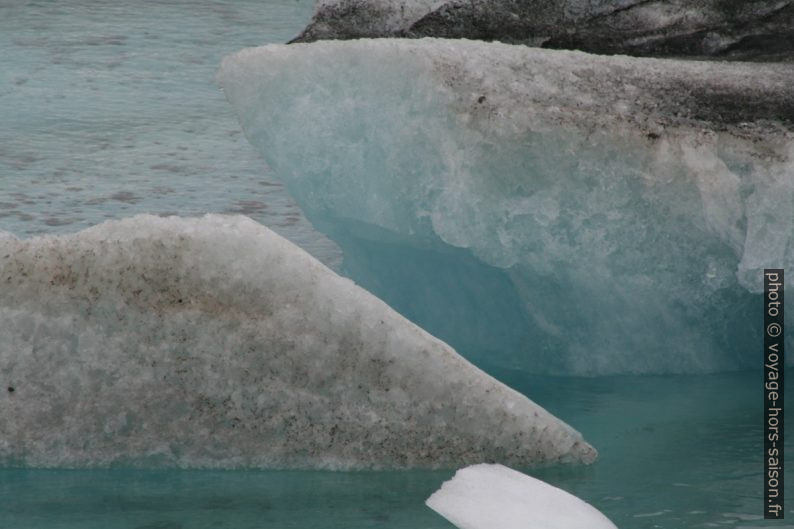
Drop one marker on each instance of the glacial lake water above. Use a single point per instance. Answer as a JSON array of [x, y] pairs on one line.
[[108, 109], [111, 109]]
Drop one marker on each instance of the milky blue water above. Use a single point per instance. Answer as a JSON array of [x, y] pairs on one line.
[[108, 109]]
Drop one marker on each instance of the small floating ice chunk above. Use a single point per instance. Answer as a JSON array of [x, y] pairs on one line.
[[497, 497]]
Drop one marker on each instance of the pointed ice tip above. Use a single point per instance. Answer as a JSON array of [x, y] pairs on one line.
[[584, 452], [496, 497]]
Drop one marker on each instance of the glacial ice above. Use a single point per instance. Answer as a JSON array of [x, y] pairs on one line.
[[496, 497], [761, 29], [545, 210], [350, 19], [214, 342]]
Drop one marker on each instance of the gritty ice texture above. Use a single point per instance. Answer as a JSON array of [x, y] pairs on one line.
[[350, 19], [214, 342], [756, 29], [497, 497], [544, 210]]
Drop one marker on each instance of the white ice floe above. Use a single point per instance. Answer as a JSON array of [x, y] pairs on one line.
[[497, 497], [214, 342]]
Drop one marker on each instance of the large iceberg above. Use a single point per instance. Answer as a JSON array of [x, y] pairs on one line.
[[552, 211], [758, 29], [214, 342], [497, 497]]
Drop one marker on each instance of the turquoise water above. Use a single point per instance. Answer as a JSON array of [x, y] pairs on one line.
[[193, 499], [109, 109], [675, 451]]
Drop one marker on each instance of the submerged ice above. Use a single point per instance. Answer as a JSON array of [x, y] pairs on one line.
[[547, 210], [214, 342]]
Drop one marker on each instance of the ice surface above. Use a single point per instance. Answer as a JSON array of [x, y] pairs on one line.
[[547, 210], [496, 497], [758, 30], [364, 18], [214, 342]]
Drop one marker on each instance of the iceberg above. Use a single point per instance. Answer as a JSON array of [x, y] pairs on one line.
[[214, 342], [550, 211], [352, 19], [496, 497], [762, 29]]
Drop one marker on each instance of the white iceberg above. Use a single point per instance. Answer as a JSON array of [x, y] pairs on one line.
[[214, 342], [496, 497]]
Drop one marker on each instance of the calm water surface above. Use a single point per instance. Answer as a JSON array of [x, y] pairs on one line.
[[108, 109]]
